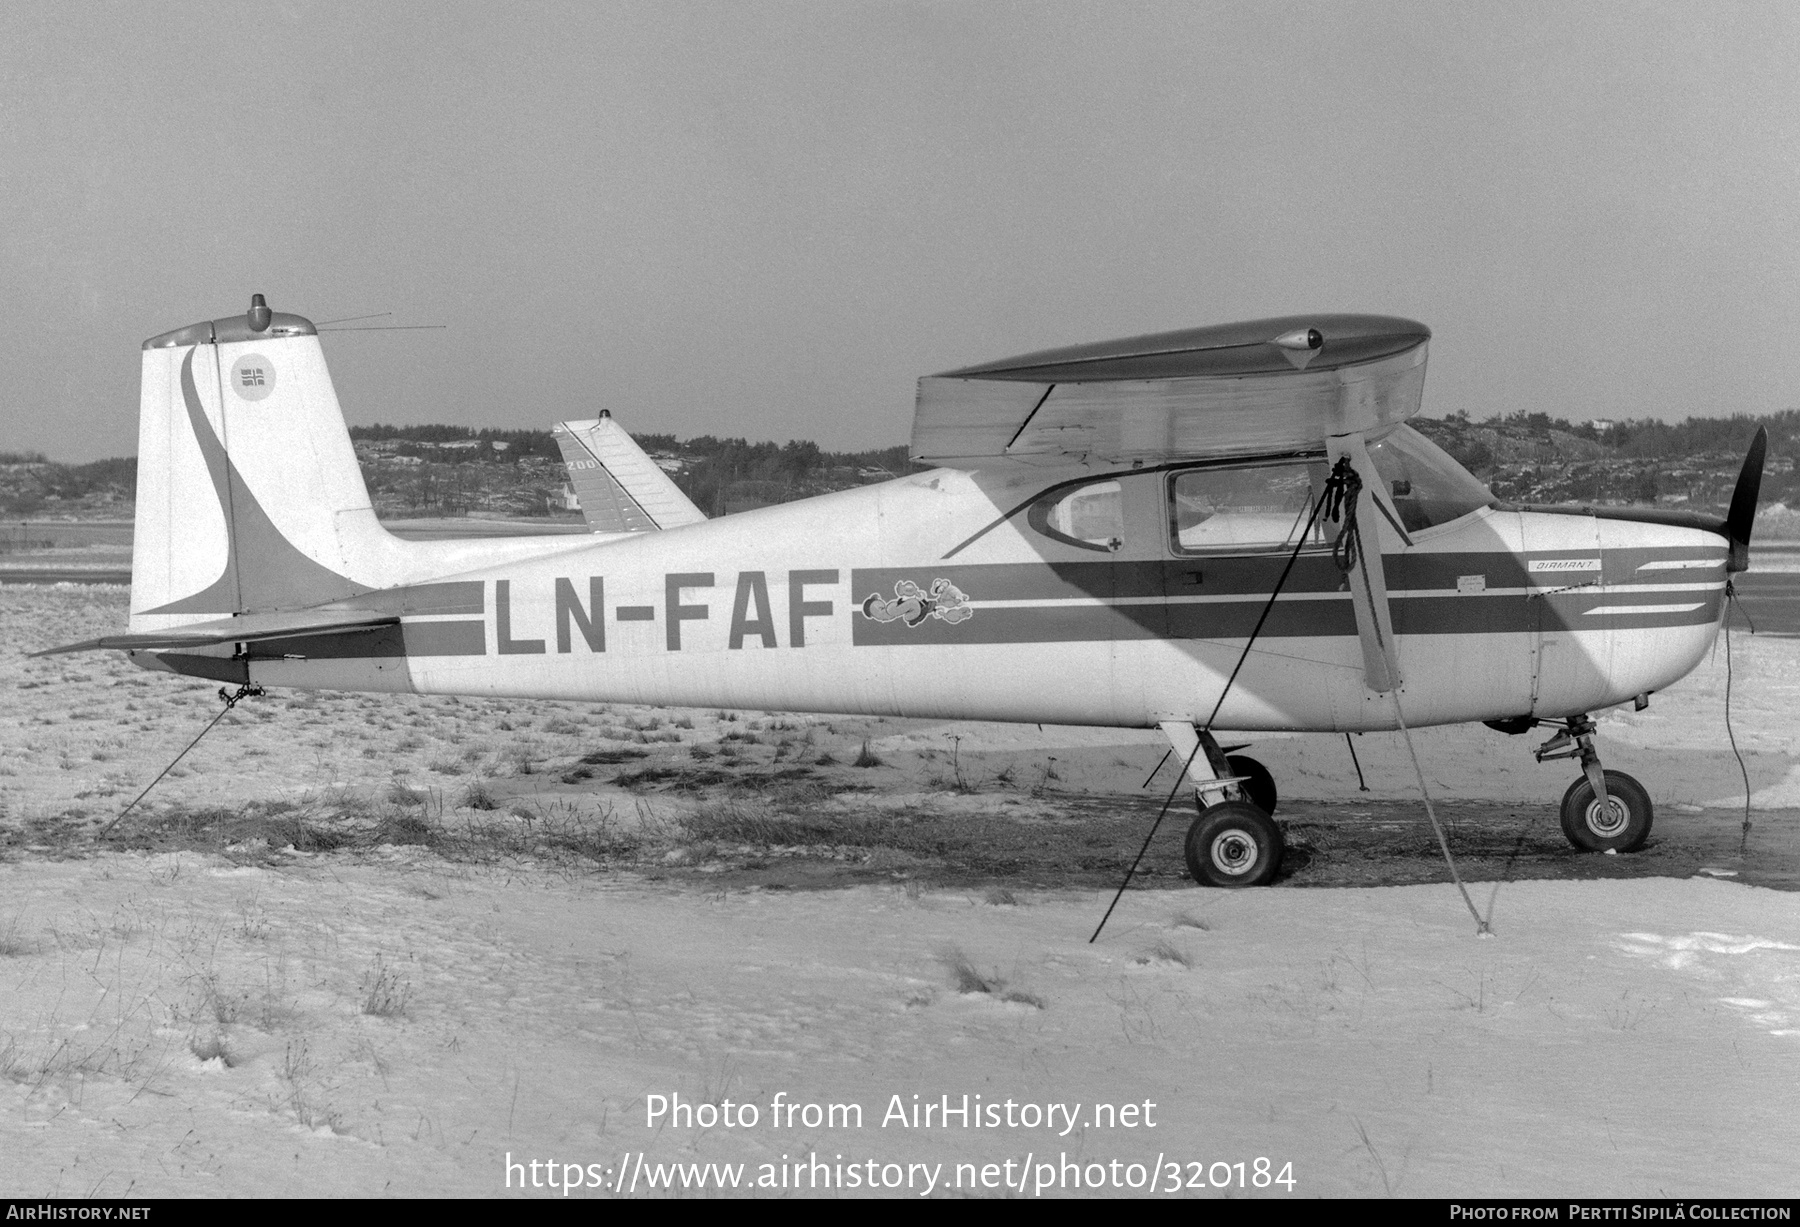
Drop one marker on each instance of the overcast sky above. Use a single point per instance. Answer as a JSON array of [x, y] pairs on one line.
[[768, 219]]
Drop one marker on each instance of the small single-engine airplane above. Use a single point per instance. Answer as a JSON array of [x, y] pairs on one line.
[[1224, 528]]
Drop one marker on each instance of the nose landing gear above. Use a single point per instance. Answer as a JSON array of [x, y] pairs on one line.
[[1603, 811]]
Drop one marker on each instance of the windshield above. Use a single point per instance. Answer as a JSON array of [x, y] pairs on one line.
[[1427, 486]]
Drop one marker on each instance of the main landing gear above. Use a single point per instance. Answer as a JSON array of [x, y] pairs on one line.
[[1234, 841], [1603, 811], [1234, 844]]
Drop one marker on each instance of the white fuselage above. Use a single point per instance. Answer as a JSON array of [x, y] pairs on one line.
[[827, 605]]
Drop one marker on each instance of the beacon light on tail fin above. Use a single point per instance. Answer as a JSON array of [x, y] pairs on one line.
[[1133, 534], [621, 490]]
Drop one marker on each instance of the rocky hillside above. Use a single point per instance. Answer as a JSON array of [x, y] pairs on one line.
[[438, 470], [451, 470], [1538, 459]]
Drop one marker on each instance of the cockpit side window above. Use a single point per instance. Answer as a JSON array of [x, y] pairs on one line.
[[1090, 516], [1245, 508], [1427, 486]]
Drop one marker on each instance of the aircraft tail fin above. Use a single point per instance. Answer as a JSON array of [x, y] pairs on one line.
[[249, 496], [620, 488]]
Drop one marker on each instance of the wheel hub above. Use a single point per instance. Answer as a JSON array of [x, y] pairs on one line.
[[1607, 820], [1234, 852]]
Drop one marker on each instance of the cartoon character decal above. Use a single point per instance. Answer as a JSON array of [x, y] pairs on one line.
[[912, 604]]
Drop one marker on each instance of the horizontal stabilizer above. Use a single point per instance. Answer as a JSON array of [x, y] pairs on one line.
[[620, 488], [1265, 386], [251, 628]]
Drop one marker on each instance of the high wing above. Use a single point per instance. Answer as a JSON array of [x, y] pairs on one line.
[[1235, 389], [620, 488], [1294, 383]]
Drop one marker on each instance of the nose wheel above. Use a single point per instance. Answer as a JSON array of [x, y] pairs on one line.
[[1619, 824], [1603, 811]]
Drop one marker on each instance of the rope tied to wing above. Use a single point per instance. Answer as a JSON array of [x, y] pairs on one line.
[[1343, 490]]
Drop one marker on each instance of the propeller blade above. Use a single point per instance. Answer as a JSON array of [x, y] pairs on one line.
[[1742, 516]]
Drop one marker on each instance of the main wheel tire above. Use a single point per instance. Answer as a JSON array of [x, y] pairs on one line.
[[1622, 827], [1234, 844], [1260, 787]]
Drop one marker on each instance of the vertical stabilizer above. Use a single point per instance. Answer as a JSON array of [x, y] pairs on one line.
[[620, 488], [249, 495]]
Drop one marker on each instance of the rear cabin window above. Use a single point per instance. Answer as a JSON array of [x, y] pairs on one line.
[[1091, 516], [1245, 508]]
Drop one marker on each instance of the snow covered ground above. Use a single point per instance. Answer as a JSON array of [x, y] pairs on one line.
[[183, 1027], [394, 1022]]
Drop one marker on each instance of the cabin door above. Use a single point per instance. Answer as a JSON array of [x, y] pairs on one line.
[[1232, 529]]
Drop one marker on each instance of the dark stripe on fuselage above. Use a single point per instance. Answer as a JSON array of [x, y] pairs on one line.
[[445, 638], [1625, 566], [428, 600], [1153, 591], [1539, 609], [461, 638], [1474, 614], [1256, 575]]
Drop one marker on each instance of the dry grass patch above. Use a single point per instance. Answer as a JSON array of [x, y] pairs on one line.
[[385, 992], [1166, 951], [737, 821], [211, 1048], [14, 943], [968, 980]]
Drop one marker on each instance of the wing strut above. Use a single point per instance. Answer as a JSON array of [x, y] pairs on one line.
[[1351, 495], [1348, 498]]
